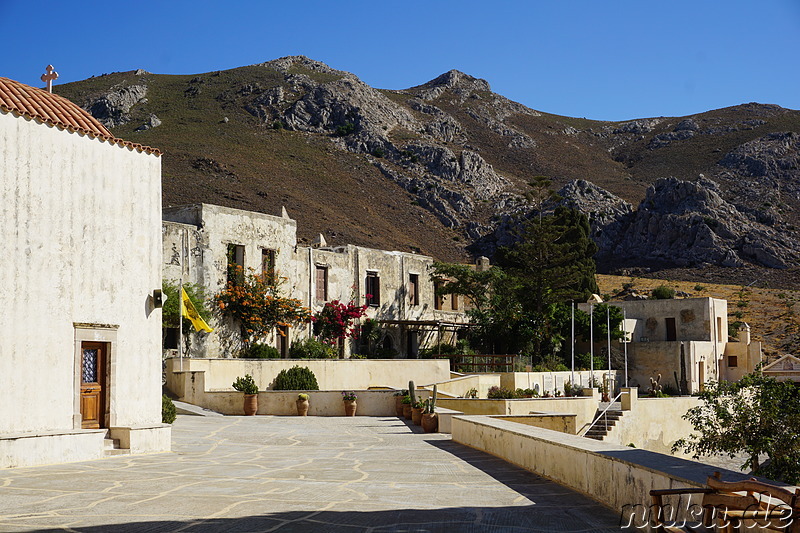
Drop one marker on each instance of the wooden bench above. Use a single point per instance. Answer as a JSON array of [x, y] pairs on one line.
[[729, 506]]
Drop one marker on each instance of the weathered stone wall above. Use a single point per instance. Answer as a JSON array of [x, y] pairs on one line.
[[204, 232], [653, 423], [82, 246], [614, 475]]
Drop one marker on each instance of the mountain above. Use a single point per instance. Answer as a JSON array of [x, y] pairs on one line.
[[442, 167]]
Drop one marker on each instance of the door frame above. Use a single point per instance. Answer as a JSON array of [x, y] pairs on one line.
[[106, 334]]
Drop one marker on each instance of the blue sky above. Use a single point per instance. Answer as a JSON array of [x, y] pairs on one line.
[[603, 59]]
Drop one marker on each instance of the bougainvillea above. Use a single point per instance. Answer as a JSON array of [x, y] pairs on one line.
[[256, 303], [336, 320]]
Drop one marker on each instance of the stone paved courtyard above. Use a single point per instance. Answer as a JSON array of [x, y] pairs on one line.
[[362, 474]]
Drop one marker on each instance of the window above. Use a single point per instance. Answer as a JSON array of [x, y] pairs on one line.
[[235, 263], [454, 302], [671, 331], [437, 297], [322, 283], [413, 289], [733, 361], [268, 262], [282, 336], [373, 289]]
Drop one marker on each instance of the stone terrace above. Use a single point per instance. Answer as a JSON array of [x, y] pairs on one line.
[[337, 474]]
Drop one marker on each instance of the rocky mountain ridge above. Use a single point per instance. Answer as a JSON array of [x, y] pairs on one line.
[[451, 160]]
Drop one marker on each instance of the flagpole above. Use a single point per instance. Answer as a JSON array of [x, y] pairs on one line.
[[572, 375], [180, 305], [608, 331], [591, 345]]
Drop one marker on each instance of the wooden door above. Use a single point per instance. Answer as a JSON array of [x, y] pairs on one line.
[[93, 381]]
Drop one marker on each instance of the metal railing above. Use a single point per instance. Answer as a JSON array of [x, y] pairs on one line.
[[603, 413], [480, 362]]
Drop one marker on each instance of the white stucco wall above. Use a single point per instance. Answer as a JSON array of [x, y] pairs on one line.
[[81, 222]]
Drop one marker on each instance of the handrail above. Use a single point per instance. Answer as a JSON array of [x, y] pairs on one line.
[[604, 412]]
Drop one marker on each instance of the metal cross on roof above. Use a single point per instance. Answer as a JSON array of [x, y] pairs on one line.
[[49, 77]]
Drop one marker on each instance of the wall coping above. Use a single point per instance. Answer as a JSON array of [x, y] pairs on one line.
[[686, 471], [49, 433]]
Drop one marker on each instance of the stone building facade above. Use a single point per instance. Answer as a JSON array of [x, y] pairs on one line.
[[687, 338], [199, 239]]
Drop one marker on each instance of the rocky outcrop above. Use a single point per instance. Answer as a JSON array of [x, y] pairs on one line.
[[112, 108], [683, 223]]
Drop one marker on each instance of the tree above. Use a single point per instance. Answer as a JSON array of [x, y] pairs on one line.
[[756, 415], [255, 302], [170, 312], [551, 264]]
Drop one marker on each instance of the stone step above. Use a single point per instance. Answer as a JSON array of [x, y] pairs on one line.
[[116, 451], [110, 444]]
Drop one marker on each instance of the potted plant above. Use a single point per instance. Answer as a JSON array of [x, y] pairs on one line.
[[430, 420], [406, 402], [416, 412], [302, 404], [398, 401], [349, 399], [471, 393], [248, 386]]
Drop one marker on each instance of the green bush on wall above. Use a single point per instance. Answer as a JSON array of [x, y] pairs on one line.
[[168, 411], [260, 351], [312, 349], [296, 378]]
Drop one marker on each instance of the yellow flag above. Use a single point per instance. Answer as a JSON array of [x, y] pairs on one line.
[[188, 311]]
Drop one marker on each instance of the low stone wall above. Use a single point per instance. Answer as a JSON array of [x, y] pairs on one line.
[[617, 476], [553, 421], [459, 385], [583, 408], [331, 374], [652, 423], [190, 387], [552, 381], [21, 449]]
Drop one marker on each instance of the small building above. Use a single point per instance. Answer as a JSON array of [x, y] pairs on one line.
[[786, 368], [80, 358], [199, 241], [683, 340]]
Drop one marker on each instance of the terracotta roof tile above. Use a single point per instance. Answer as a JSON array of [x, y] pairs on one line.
[[31, 102]]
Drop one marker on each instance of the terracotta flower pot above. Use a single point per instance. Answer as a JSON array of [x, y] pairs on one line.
[[430, 422], [416, 415], [398, 405], [250, 404], [302, 407], [350, 408], [407, 411]]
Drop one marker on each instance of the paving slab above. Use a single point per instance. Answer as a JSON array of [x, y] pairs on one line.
[[296, 474]]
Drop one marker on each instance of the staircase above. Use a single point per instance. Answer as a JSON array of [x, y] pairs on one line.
[[111, 447], [601, 428]]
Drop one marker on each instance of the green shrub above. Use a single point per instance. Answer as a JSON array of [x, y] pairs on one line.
[[260, 351], [312, 349], [550, 364], [296, 378], [501, 393], [246, 384], [168, 411], [345, 129], [378, 152], [662, 292]]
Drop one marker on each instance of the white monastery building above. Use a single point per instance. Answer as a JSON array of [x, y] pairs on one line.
[[80, 354]]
